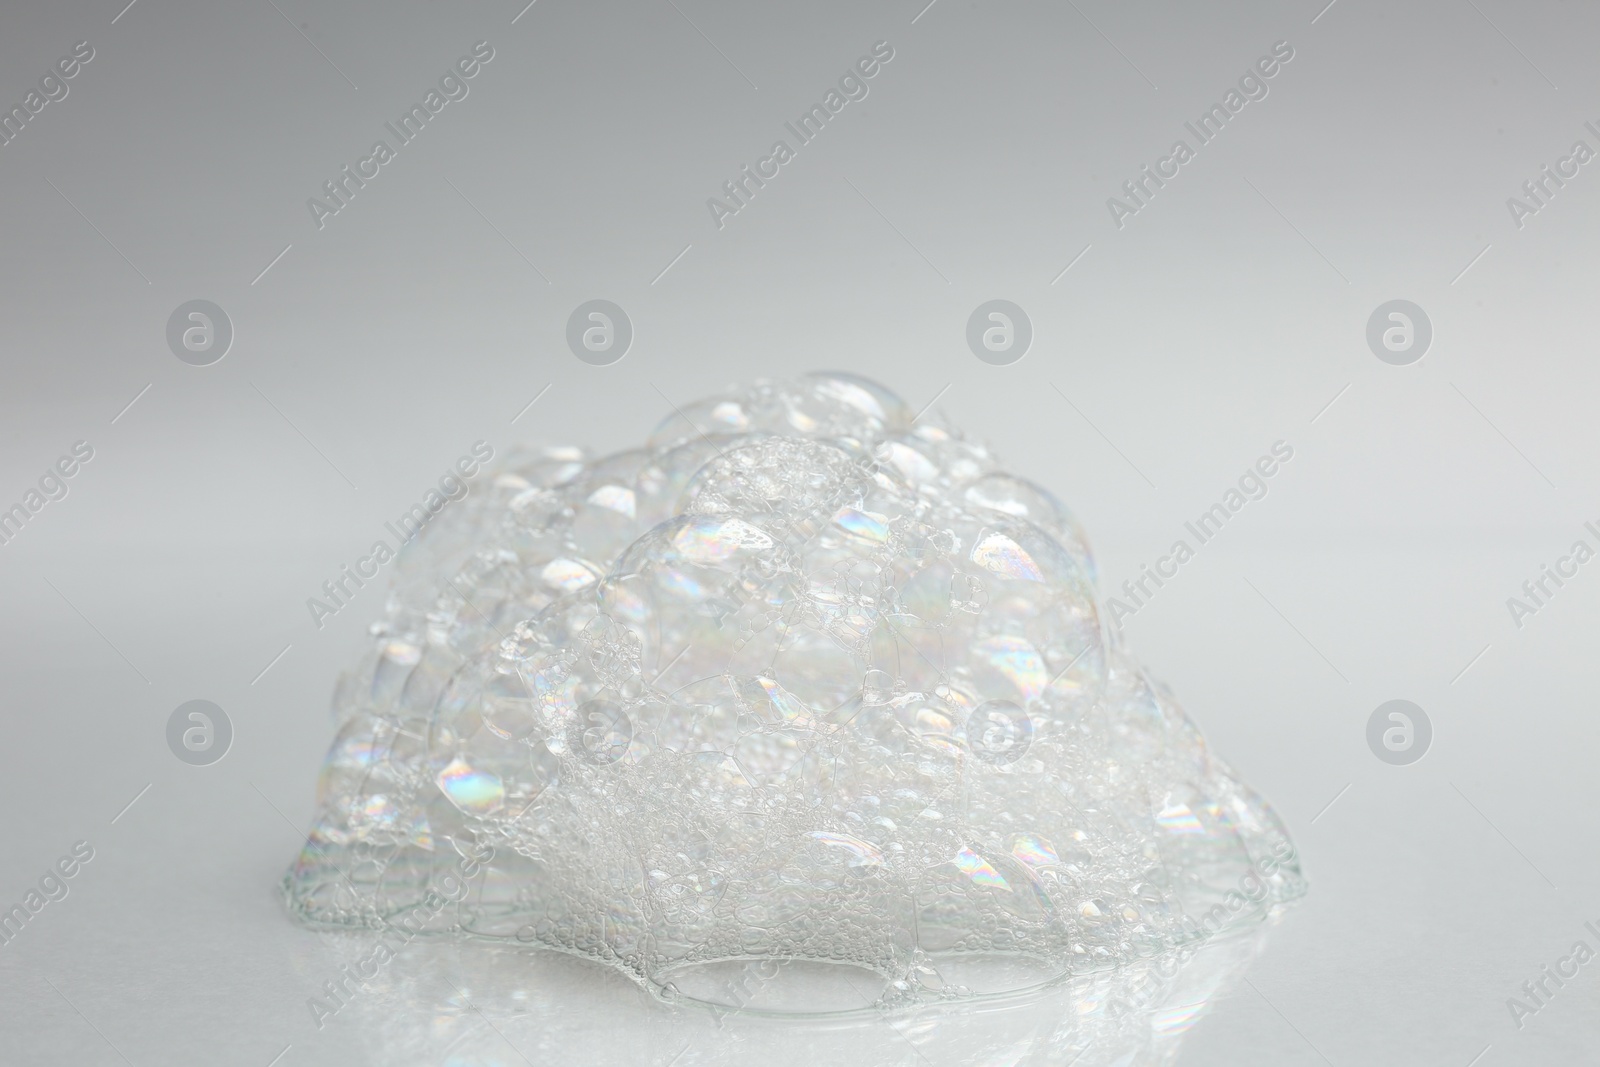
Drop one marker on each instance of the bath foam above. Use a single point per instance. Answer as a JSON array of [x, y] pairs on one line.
[[806, 681]]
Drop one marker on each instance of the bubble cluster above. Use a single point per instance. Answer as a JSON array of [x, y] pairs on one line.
[[807, 678]]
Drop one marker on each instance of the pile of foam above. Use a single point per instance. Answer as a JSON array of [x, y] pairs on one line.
[[804, 679]]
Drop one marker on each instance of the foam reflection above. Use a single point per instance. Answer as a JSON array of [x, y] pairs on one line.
[[485, 1005]]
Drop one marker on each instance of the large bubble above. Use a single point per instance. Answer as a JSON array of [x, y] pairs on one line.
[[805, 680]]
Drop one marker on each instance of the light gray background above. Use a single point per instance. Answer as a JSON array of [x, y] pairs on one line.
[[1225, 316]]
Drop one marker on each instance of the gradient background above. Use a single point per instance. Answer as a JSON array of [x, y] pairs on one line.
[[1223, 317]]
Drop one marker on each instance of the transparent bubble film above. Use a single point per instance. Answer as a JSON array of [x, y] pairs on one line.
[[807, 679]]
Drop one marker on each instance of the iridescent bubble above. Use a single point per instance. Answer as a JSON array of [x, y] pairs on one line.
[[474, 792], [1005, 661], [979, 870], [864, 525], [711, 541], [858, 854], [1033, 850], [999, 554]]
